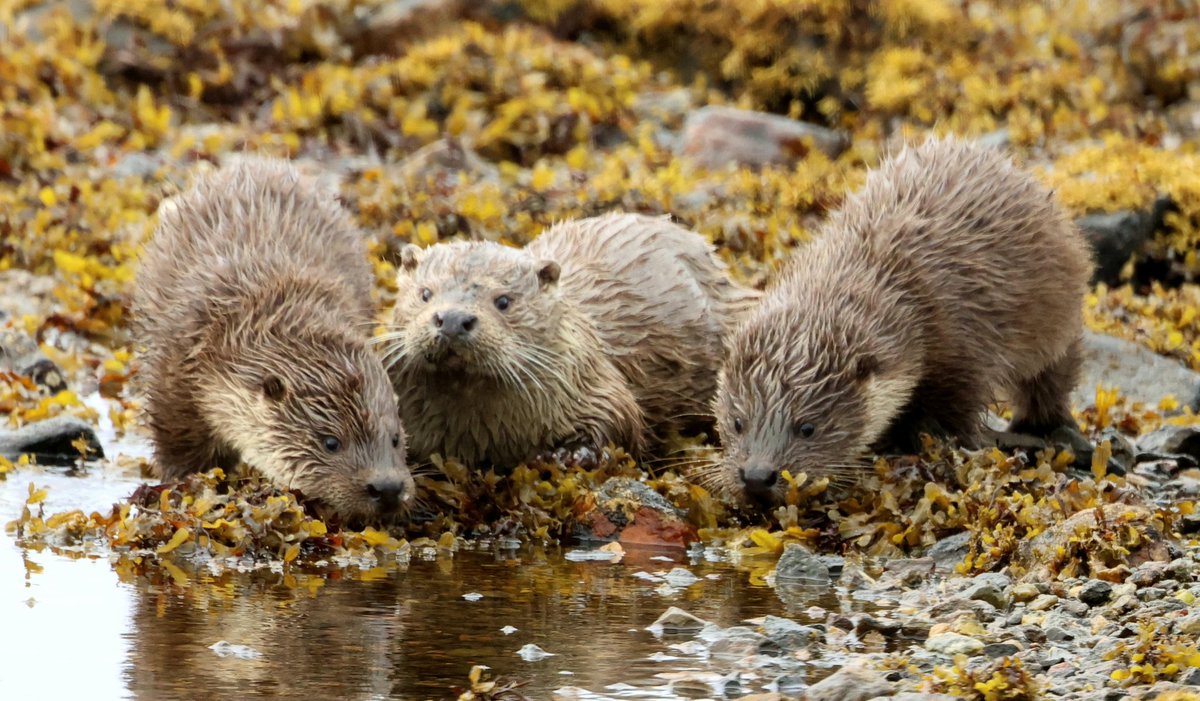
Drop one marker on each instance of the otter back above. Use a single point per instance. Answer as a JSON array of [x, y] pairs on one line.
[[950, 279], [253, 307], [602, 330]]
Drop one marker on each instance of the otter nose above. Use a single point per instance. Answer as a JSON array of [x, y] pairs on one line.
[[454, 323], [758, 480], [386, 493]]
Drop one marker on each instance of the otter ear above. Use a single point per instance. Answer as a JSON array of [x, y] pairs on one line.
[[547, 272], [273, 388], [410, 256], [865, 367]]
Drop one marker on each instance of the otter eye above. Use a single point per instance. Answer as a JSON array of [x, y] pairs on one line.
[[331, 443], [737, 426], [395, 440], [503, 302], [426, 294], [805, 430]]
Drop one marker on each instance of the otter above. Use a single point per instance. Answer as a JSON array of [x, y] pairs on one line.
[[605, 330], [949, 277], [253, 307]]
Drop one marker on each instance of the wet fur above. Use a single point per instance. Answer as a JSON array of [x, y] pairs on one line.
[[950, 277], [622, 344], [253, 306]]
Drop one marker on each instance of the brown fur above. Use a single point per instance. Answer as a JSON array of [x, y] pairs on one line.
[[614, 334], [253, 304], [949, 277]]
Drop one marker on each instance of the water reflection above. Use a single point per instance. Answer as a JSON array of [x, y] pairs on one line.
[[396, 632], [410, 634]]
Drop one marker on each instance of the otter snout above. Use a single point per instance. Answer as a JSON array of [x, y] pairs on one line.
[[759, 481], [388, 494], [454, 324]]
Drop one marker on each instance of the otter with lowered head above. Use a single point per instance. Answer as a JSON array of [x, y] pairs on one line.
[[950, 276], [602, 330], [253, 304]]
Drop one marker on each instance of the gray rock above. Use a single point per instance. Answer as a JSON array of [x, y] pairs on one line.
[[787, 635], [949, 552], [1170, 441], [998, 650], [1025, 592], [849, 684], [799, 565], [736, 643], [1095, 592], [913, 696], [1140, 374], [1188, 625], [1073, 607], [50, 441], [954, 644], [1151, 593], [992, 588], [1116, 237], [676, 621], [716, 136], [1056, 634], [1190, 678]]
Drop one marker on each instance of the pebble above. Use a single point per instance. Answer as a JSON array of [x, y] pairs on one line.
[[954, 644], [1095, 592], [797, 564], [849, 684], [789, 635], [1073, 607], [676, 620], [990, 588], [1188, 625], [998, 650], [1044, 602], [1025, 592]]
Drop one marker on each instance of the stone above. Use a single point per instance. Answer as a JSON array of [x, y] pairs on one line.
[[1188, 625], [991, 588], [1025, 592], [1170, 441], [949, 552], [1141, 374], [954, 644], [1044, 602], [1095, 592], [849, 684], [1039, 555], [797, 564], [716, 136], [788, 635], [636, 516], [1057, 634], [676, 621], [1118, 236], [1073, 607], [50, 441], [998, 650]]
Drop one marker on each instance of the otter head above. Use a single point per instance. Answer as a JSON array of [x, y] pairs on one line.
[[801, 392], [474, 309], [317, 413]]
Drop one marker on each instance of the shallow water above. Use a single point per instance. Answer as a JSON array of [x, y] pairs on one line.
[[78, 626]]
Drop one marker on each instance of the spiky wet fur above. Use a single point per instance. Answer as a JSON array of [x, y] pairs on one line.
[[253, 306], [622, 344], [951, 276]]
